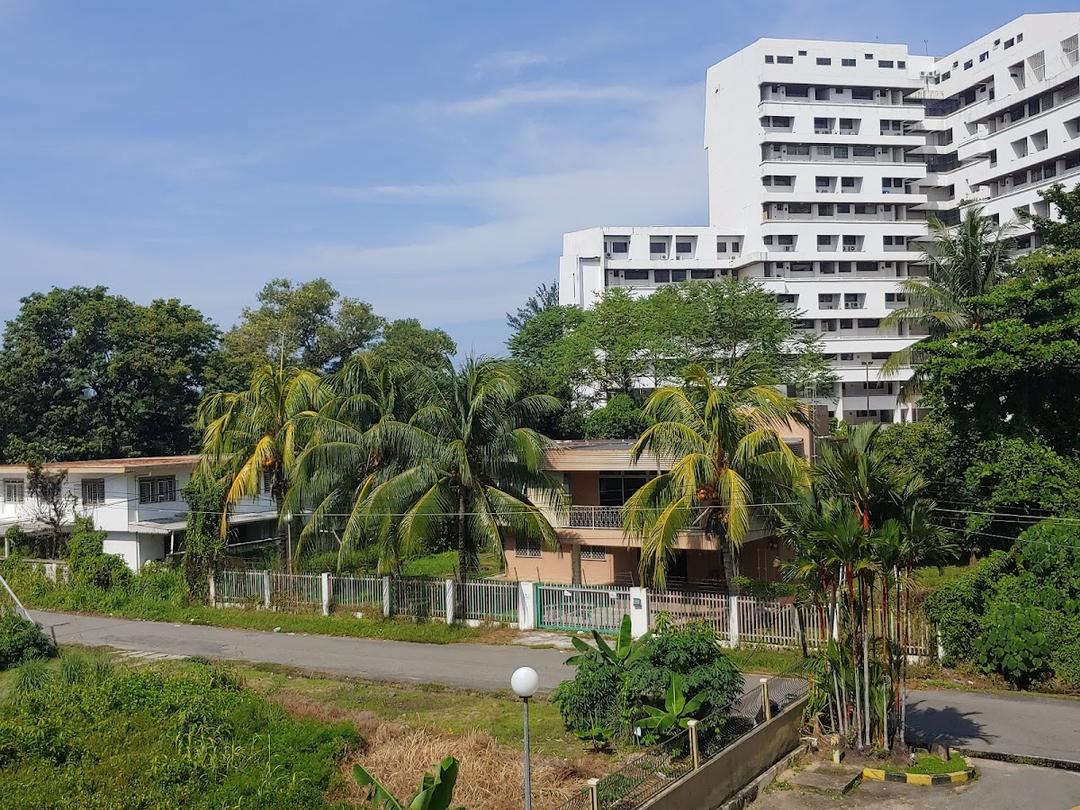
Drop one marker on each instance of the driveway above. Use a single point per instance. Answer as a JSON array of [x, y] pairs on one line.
[[1000, 786], [1021, 725]]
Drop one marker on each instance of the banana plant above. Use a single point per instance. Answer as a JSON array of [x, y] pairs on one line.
[[436, 790], [625, 652], [677, 711]]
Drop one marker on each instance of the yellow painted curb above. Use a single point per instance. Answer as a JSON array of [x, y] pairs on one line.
[[877, 774], [920, 779]]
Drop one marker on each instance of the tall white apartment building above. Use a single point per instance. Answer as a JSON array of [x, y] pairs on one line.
[[826, 160]]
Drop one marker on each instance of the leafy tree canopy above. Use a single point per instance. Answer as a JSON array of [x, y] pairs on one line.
[[407, 339], [87, 374], [308, 324]]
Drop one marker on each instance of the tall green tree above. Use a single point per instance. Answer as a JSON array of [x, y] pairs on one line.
[[545, 297], [251, 439], [352, 445], [87, 374], [469, 465], [965, 262], [721, 439], [407, 339], [308, 325]]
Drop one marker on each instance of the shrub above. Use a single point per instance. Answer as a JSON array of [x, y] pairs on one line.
[[604, 694], [620, 418], [21, 641], [1014, 643], [89, 565], [958, 605]]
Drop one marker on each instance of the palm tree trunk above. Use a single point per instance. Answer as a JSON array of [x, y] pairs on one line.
[[463, 555], [729, 558]]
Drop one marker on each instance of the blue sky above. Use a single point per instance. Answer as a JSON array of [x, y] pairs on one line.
[[424, 156]]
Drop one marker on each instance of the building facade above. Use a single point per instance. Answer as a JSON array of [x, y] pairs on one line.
[[826, 161], [598, 477], [137, 502]]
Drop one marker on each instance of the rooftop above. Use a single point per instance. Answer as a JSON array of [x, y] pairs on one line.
[[109, 465]]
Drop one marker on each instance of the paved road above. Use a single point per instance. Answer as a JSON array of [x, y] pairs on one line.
[[1021, 725]]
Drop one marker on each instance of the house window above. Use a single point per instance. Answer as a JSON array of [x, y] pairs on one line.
[[847, 62], [700, 275], [984, 56], [593, 553], [901, 64], [619, 247], [885, 63], [678, 275], [157, 489], [636, 275], [658, 249], [769, 59], [527, 548], [784, 60], [616, 487], [868, 323], [824, 60], [684, 247], [734, 247], [721, 247], [968, 64], [868, 56], [14, 491], [93, 491]]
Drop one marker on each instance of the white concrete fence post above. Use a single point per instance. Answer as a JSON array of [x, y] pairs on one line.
[[213, 595], [594, 794], [733, 621], [386, 597], [695, 752], [526, 605], [765, 705], [266, 589], [326, 594], [449, 593], [639, 612]]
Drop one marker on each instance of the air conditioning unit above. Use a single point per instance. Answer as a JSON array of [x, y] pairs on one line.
[[850, 248], [852, 305], [607, 255]]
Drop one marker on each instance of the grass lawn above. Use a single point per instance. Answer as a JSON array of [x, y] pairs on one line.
[[444, 566], [929, 764], [765, 660], [932, 578]]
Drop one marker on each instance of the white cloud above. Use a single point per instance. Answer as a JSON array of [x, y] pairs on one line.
[[513, 62], [537, 94]]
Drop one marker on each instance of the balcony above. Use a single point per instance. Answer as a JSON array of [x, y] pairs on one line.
[[591, 517]]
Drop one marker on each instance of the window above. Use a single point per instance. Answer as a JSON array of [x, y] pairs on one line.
[[895, 298], [93, 491], [787, 298], [636, 275], [825, 209], [594, 553], [1009, 43], [527, 548], [802, 53], [678, 275], [734, 247], [803, 323], [868, 323], [824, 60], [658, 248], [847, 182], [1019, 37], [868, 56], [617, 487], [14, 491], [984, 56], [684, 247], [721, 247], [661, 276], [619, 247], [157, 489], [885, 63], [845, 323], [824, 239], [901, 64], [968, 64], [946, 75], [769, 59], [784, 60], [699, 275], [847, 62]]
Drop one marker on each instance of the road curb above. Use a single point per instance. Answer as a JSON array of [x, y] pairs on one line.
[[921, 779], [1021, 759]]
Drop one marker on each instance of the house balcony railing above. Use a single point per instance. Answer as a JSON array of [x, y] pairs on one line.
[[592, 517]]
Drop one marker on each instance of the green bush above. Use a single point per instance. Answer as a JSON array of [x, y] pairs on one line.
[[620, 418], [21, 641], [89, 565], [603, 694], [139, 738], [1014, 643], [958, 605]]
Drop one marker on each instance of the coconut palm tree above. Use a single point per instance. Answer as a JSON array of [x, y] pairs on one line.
[[722, 442], [852, 468], [966, 262], [250, 437], [469, 465], [334, 475]]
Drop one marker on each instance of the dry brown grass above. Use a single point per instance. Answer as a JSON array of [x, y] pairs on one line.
[[490, 775]]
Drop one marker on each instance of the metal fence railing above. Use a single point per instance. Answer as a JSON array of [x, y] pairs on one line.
[[683, 606], [356, 592], [419, 598], [581, 607], [489, 600]]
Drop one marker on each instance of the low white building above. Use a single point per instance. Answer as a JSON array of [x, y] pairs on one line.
[[137, 502]]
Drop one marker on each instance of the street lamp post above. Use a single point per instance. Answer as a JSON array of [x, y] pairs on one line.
[[524, 682]]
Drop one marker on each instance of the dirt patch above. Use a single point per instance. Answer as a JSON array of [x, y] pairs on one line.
[[490, 776]]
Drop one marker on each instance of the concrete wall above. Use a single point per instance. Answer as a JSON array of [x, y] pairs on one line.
[[554, 566], [725, 774]]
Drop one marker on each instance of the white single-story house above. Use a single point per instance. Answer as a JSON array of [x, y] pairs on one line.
[[136, 501]]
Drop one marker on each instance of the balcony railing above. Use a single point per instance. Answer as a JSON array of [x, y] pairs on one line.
[[593, 517]]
